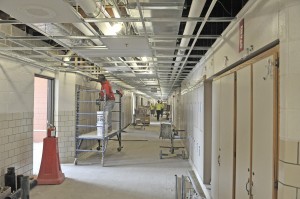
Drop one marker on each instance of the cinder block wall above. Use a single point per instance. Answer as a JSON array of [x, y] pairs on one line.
[[289, 159], [16, 143], [16, 116]]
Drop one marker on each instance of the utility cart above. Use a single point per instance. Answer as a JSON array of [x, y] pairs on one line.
[[141, 117], [90, 123], [168, 131]]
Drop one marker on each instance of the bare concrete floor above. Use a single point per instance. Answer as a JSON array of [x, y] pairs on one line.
[[136, 172]]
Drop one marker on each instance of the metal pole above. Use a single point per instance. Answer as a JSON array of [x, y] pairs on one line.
[[25, 187], [176, 187], [182, 187], [120, 117], [19, 180]]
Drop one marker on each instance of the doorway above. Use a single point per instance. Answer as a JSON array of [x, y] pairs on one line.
[[42, 116]]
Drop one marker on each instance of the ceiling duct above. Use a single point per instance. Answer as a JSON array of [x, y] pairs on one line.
[[195, 11], [157, 6], [92, 8], [207, 14]]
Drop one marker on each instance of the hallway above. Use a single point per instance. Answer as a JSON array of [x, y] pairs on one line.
[[134, 173]]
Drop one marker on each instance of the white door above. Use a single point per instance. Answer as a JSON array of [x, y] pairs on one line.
[[215, 139], [243, 128], [226, 137], [263, 103]]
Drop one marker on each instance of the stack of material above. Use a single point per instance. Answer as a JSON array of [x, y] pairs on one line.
[[142, 116], [101, 123]]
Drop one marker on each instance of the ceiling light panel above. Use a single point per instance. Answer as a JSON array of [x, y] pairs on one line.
[[40, 11]]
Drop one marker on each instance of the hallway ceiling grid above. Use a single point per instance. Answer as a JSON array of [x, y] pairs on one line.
[[138, 44]]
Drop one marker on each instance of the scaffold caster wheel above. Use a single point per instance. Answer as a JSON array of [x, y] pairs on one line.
[[183, 154], [172, 150], [160, 154], [119, 149]]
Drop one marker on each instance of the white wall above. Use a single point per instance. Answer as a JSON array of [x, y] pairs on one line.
[[266, 21], [198, 140], [261, 28], [289, 165], [16, 115]]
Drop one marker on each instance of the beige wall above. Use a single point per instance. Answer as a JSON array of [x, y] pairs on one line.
[[16, 116], [267, 21], [289, 165]]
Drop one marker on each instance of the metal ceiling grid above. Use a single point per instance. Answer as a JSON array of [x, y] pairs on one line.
[[159, 43]]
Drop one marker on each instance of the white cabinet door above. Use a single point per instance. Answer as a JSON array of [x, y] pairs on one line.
[[263, 129], [215, 139], [243, 130], [226, 137]]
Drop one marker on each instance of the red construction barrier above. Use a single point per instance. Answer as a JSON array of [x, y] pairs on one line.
[[50, 170]]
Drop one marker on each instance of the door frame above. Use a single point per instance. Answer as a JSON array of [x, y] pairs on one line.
[[276, 117], [50, 97]]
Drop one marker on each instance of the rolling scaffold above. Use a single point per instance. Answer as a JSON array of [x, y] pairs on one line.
[[168, 131], [98, 131]]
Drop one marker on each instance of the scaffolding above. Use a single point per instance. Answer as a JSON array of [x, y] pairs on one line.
[[168, 131], [97, 131], [188, 187]]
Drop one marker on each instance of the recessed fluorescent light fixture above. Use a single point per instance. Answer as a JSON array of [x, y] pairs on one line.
[[117, 27]]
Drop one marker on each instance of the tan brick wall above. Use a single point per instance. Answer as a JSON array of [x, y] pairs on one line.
[[289, 169], [65, 130], [16, 143]]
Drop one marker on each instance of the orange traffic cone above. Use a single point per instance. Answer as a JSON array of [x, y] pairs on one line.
[[50, 170]]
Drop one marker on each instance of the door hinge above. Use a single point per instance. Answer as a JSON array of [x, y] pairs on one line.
[[277, 62], [276, 185]]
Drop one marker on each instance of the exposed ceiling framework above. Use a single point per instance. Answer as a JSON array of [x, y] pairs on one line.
[[157, 46]]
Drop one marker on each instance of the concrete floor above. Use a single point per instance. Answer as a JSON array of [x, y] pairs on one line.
[[136, 172]]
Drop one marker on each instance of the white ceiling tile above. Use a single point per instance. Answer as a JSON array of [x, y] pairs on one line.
[[40, 11]]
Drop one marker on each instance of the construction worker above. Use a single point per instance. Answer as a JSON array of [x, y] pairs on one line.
[[152, 109], [158, 109], [110, 99]]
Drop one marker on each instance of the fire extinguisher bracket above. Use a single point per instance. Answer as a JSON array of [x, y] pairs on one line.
[[51, 131]]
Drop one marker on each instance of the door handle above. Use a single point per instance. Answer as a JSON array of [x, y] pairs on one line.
[[251, 192], [247, 189]]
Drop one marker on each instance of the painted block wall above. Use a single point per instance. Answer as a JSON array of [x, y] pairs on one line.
[[261, 28], [289, 165], [199, 134], [64, 116], [264, 23], [177, 109], [16, 116]]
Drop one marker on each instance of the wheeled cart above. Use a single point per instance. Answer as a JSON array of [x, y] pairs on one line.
[[94, 132], [168, 131], [141, 117]]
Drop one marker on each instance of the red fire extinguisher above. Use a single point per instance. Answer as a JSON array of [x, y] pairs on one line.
[[51, 131]]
